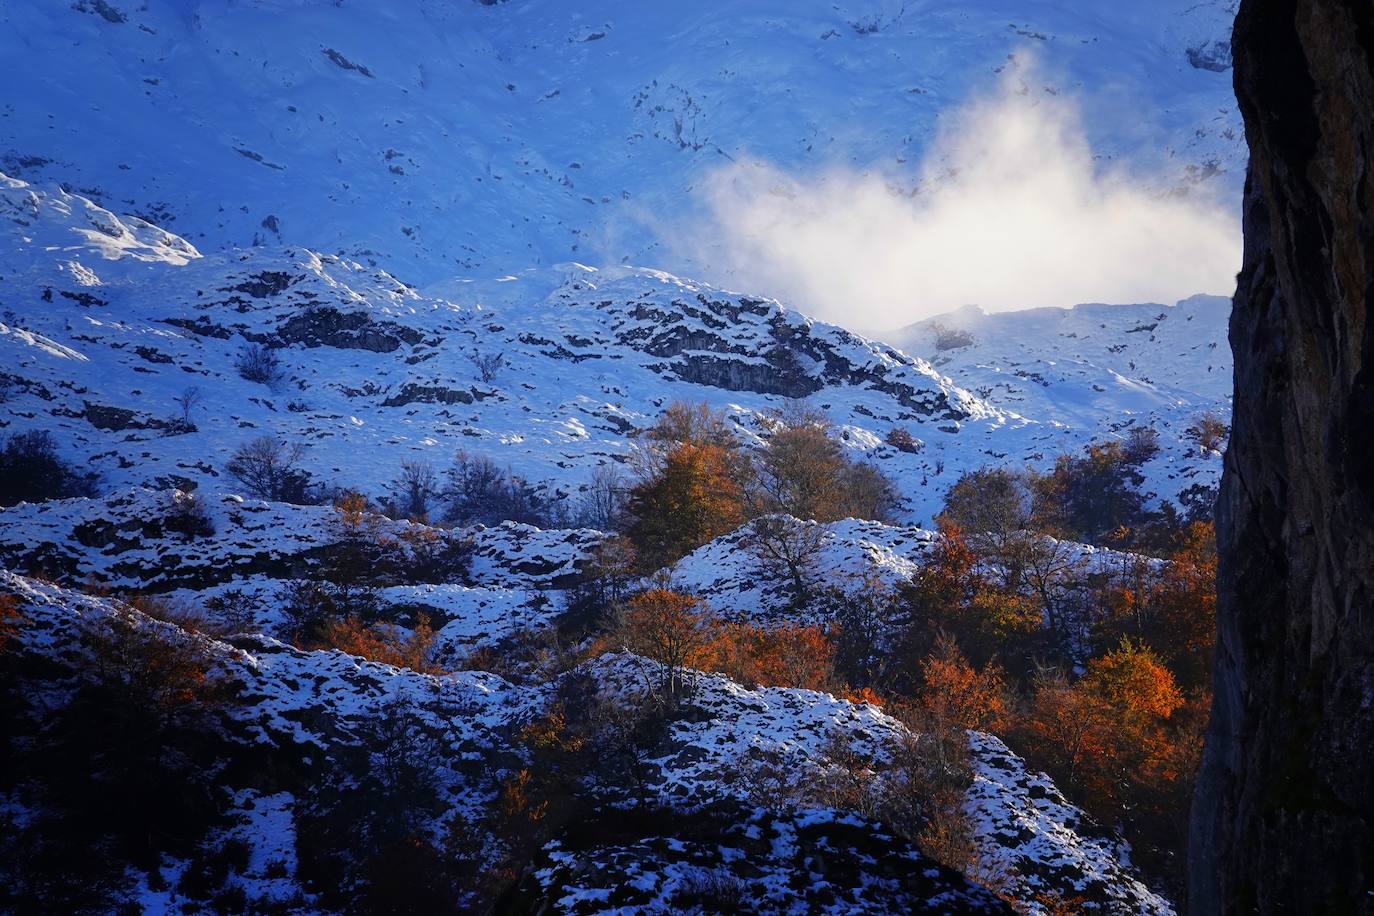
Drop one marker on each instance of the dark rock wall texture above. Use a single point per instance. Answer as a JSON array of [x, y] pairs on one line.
[[1283, 818]]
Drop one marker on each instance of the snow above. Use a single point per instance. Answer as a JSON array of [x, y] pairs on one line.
[[375, 373], [318, 701], [444, 140]]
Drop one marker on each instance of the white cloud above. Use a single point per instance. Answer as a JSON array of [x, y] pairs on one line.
[[1012, 211]]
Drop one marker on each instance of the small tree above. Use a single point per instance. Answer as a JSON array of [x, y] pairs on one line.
[[991, 507], [805, 473], [415, 491], [256, 363], [31, 470], [186, 515], [189, 399], [666, 627], [1142, 444], [489, 365], [785, 550], [270, 469], [957, 695], [480, 492], [1210, 432], [603, 502], [900, 438], [691, 500]]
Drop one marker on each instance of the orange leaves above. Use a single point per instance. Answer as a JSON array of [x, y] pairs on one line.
[[784, 656], [671, 629], [957, 695], [1109, 734], [516, 802], [693, 498], [1134, 683], [11, 620], [1173, 607], [389, 645]]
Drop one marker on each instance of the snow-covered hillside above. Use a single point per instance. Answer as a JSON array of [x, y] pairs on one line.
[[305, 710], [108, 321], [440, 138]]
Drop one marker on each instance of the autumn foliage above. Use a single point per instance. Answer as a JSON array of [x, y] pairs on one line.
[[1111, 734], [391, 645], [677, 632], [693, 498]]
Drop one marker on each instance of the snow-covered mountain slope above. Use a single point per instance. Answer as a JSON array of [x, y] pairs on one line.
[[300, 710], [1099, 367], [107, 322], [437, 138]]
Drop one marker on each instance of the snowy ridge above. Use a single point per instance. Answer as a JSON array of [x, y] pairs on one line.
[[852, 554], [372, 373]]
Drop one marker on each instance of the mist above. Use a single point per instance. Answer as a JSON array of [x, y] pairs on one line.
[[1010, 209]]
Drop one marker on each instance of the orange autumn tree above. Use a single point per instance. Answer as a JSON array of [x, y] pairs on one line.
[[1186, 606], [783, 656], [666, 627], [958, 696], [1170, 606], [382, 643], [692, 498], [1106, 735], [951, 594]]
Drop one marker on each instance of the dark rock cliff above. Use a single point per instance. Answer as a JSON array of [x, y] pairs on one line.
[[1284, 814]]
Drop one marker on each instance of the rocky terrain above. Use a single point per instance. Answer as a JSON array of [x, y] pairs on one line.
[[129, 346], [307, 710]]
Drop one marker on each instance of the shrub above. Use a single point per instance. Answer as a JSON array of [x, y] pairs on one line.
[[479, 492], [947, 338], [256, 363], [415, 491], [1142, 444], [188, 400], [902, 440], [186, 515], [783, 656], [666, 627], [32, 471], [433, 556], [389, 644], [270, 469], [232, 611], [12, 620], [488, 365], [1210, 432], [603, 499], [956, 695]]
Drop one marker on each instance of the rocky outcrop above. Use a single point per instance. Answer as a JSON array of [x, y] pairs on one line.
[[1284, 813], [329, 327]]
